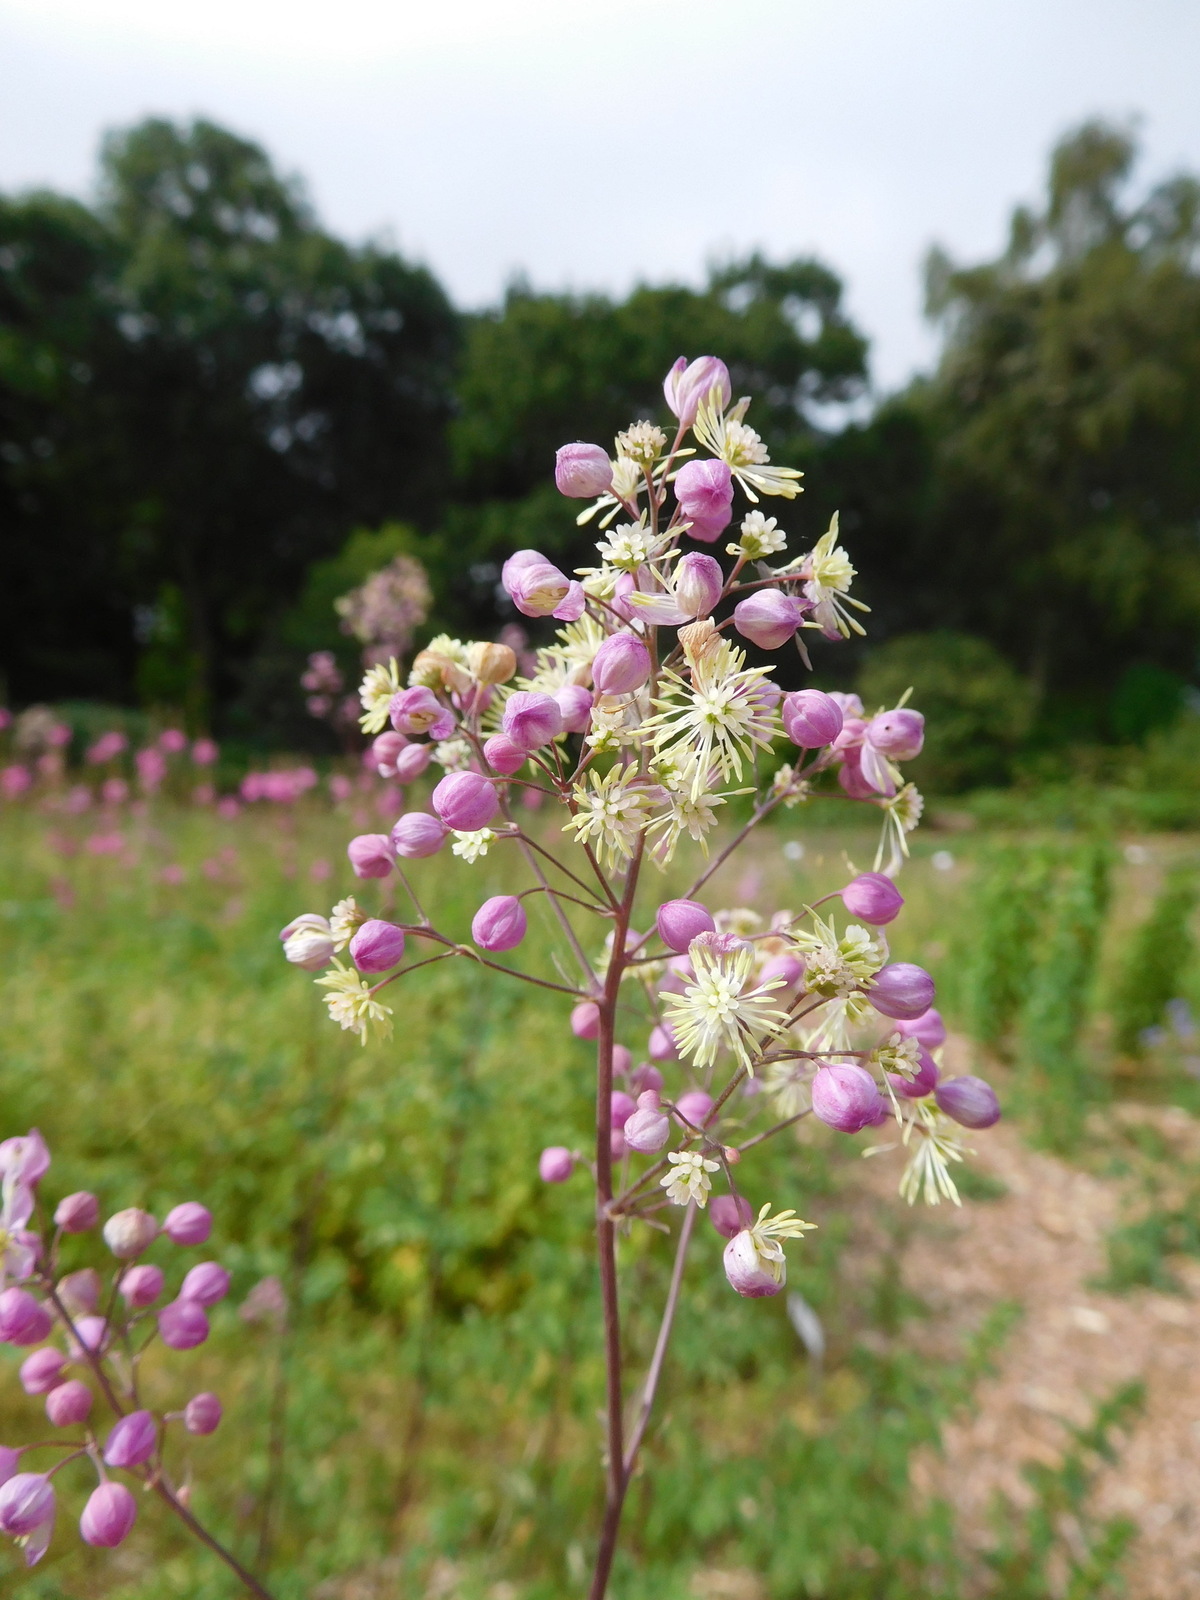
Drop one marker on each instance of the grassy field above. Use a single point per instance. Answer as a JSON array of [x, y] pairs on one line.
[[427, 1426]]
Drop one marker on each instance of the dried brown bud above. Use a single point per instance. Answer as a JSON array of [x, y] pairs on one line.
[[491, 663]]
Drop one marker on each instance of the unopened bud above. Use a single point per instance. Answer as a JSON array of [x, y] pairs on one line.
[[377, 946], [648, 1128], [109, 1515], [202, 1414], [499, 924], [679, 921], [42, 1370], [190, 1223], [902, 990], [132, 1440], [491, 663], [23, 1320], [585, 1020], [555, 1164], [730, 1213], [80, 1291], [695, 1106], [621, 665], [873, 897], [78, 1212], [141, 1286], [845, 1097], [182, 1324], [68, 1404], [970, 1101], [128, 1233], [206, 1283], [465, 801]]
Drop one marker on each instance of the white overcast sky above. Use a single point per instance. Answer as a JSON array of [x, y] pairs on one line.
[[590, 143]]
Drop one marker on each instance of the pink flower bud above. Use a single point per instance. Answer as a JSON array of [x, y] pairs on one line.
[[182, 1324], [768, 618], [91, 1333], [503, 756], [26, 1504], [845, 1097], [730, 1213], [418, 710], [412, 762], [647, 1128], [555, 1164], [617, 1145], [789, 968], [417, 834], [698, 583], [377, 946], [923, 1082], [679, 921], [971, 1101], [708, 529], [141, 1286], [621, 665], [622, 1057], [688, 385], [307, 942], [582, 471], [499, 924], [190, 1223], [811, 719], [874, 898], [202, 1414], [465, 801], [128, 1233], [78, 1212], [69, 1404], [662, 1043], [695, 1106], [206, 1283], [531, 719], [109, 1515], [645, 1077], [23, 1320], [370, 855], [384, 751], [575, 707], [10, 1460], [536, 587], [585, 1020], [132, 1440], [80, 1291], [928, 1029], [622, 1108], [42, 1370], [704, 490], [902, 990], [745, 1270], [898, 734]]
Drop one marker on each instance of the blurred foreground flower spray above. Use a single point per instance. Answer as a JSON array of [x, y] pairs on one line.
[[640, 722], [92, 1329]]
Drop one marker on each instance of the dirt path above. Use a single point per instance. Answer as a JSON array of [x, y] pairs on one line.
[[1042, 1246]]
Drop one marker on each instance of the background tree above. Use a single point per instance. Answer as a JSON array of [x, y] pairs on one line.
[[260, 388]]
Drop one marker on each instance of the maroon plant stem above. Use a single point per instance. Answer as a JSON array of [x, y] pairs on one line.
[[606, 1240], [654, 1372]]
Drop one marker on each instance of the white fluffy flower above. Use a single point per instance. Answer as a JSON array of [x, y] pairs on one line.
[[718, 1010], [351, 1003], [689, 1178], [611, 812], [760, 536], [375, 692], [470, 846]]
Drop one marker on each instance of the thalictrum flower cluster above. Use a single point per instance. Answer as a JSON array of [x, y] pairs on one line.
[[637, 726]]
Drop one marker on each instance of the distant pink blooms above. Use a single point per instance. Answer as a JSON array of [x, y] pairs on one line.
[[281, 788], [15, 781], [204, 752], [107, 748]]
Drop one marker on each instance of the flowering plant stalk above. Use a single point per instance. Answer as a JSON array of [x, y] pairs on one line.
[[640, 722], [92, 1337]]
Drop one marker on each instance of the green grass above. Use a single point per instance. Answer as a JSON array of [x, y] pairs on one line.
[[444, 1370]]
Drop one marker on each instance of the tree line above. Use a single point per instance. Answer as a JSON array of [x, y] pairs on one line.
[[205, 398]]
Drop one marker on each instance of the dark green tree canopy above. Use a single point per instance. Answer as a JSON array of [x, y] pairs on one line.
[[1065, 416], [231, 391]]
